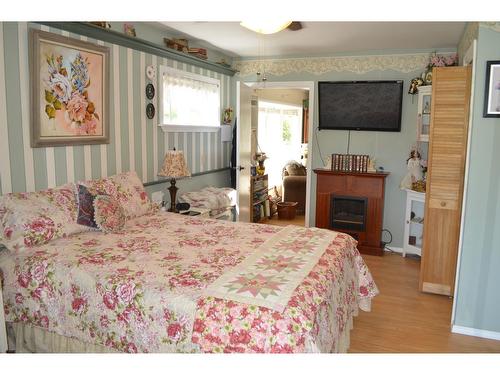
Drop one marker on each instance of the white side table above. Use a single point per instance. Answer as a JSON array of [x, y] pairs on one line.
[[414, 224], [3, 329]]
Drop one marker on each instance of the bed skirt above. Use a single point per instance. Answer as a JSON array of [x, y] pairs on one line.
[[26, 338]]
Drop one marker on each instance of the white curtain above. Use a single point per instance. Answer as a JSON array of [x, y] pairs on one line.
[[279, 136], [189, 101]]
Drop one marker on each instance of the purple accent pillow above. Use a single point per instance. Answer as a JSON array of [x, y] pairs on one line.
[[85, 199]]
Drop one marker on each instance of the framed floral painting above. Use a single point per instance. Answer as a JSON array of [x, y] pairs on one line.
[[69, 81]]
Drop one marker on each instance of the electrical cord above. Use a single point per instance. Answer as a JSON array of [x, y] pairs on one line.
[[319, 148], [390, 234], [387, 243]]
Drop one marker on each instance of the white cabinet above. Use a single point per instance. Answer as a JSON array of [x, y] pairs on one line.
[[414, 222], [424, 113]]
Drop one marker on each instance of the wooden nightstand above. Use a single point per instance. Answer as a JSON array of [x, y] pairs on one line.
[[3, 329]]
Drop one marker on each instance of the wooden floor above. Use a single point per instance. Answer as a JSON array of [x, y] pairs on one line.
[[403, 320], [299, 220]]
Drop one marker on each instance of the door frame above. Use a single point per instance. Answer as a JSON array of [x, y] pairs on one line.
[[470, 58], [305, 85]]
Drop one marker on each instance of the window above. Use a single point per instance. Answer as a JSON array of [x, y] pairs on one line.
[[188, 100], [279, 136]]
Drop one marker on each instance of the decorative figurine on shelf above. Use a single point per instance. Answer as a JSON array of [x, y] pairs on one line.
[[103, 24], [228, 116], [414, 166], [418, 186], [328, 163], [129, 29], [414, 85], [260, 163], [371, 166]]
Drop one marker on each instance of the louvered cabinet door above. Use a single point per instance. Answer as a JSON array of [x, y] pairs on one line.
[[445, 178]]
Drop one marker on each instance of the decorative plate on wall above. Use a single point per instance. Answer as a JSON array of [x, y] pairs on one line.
[[428, 78], [150, 91], [151, 72], [150, 110]]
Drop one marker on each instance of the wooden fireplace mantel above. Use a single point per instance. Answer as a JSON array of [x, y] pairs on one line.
[[369, 185]]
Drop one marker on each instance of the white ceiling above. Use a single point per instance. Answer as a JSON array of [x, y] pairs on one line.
[[319, 38]]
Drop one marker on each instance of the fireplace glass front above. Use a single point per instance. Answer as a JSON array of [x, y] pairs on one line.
[[348, 213]]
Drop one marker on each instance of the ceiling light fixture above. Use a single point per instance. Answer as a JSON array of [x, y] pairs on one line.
[[266, 26]]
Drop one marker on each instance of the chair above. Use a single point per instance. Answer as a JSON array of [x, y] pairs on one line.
[[294, 184]]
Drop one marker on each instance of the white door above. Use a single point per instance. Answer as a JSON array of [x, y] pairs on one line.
[[243, 153]]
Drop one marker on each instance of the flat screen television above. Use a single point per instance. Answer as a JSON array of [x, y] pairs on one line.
[[360, 105]]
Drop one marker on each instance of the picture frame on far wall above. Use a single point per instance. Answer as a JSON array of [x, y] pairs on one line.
[[69, 84], [492, 90]]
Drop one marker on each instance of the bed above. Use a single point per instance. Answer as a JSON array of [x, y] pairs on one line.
[[171, 283]]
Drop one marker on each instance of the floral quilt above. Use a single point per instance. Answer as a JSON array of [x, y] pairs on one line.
[[142, 289]]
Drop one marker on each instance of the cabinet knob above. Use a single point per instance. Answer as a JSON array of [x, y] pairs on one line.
[[443, 204]]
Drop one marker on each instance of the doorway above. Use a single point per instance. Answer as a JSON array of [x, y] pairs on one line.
[[275, 119]]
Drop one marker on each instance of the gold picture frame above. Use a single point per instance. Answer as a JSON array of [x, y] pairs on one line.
[[69, 85]]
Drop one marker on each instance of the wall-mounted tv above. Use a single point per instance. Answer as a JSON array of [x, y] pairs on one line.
[[360, 105]]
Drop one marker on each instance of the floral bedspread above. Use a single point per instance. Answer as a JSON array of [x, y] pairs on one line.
[[141, 290]]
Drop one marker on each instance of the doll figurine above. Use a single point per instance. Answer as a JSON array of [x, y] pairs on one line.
[[414, 167]]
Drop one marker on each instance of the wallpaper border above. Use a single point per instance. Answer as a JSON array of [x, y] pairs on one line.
[[404, 63], [491, 25]]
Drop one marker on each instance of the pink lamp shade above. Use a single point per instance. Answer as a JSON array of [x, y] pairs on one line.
[[174, 165]]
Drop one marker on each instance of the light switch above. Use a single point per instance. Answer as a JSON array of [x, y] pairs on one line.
[[226, 133]]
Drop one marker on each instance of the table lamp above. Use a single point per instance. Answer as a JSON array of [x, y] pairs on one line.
[[174, 166]]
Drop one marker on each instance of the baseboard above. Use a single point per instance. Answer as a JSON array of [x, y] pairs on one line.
[[493, 335], [395, 249]]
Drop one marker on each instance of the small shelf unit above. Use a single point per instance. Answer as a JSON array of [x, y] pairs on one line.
[[260, 209], [414, 222]]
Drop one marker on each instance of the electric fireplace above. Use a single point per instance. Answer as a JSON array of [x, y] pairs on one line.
[[348, 213]]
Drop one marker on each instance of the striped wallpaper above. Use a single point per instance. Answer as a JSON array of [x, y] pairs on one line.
[[136, 143]]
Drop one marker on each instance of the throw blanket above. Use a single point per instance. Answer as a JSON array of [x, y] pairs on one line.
[[212, 198], [269, 276]]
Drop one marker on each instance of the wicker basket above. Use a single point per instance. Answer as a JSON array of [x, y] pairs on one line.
[[286, 210]]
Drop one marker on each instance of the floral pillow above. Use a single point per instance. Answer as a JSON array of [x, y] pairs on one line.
[[31, 219], [108, 214], [127, 189]]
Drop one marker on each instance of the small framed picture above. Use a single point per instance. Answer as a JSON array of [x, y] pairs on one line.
[[492, 90]]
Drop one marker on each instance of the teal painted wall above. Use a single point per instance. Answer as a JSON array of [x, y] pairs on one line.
[[390, 149], [135, 141], [478, 296]]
